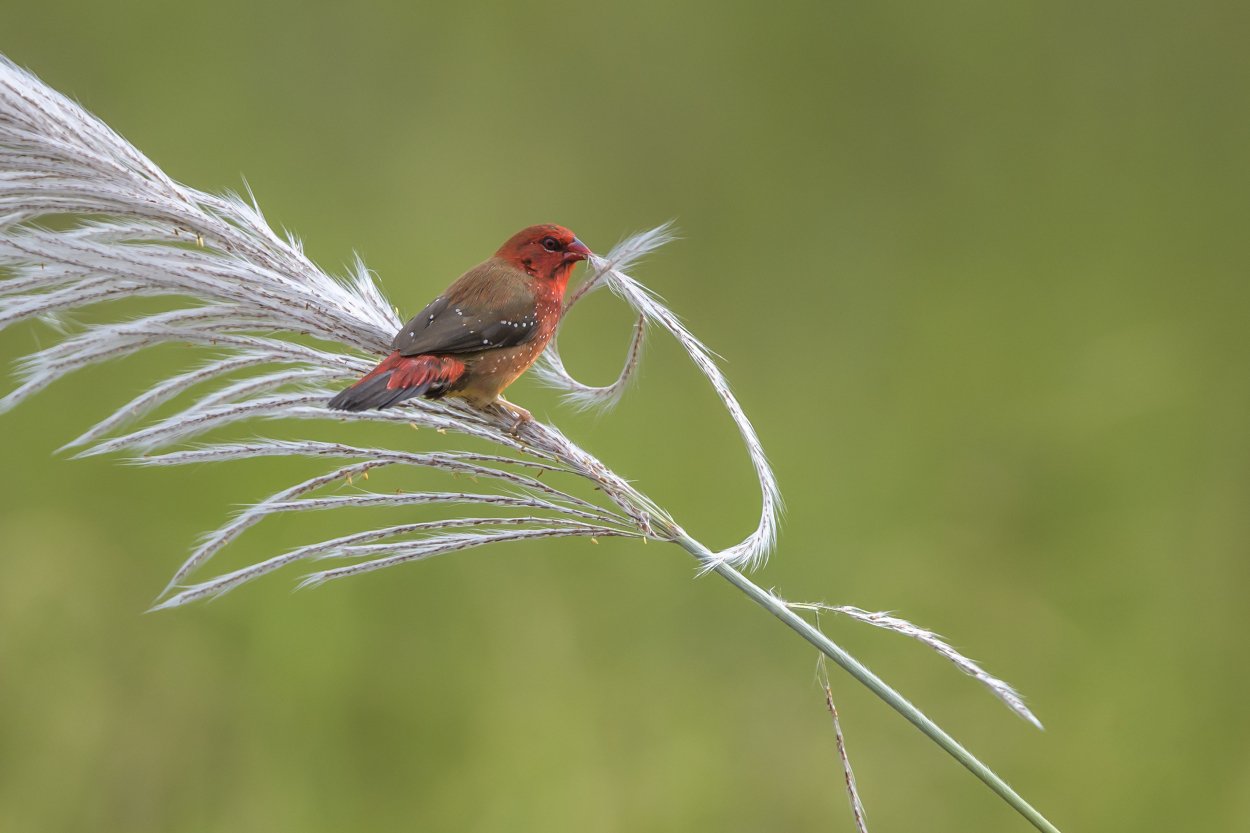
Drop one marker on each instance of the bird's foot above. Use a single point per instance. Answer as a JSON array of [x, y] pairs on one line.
[[516, 413]]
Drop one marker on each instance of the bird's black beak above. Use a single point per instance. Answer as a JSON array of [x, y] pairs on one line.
[[577, 250]]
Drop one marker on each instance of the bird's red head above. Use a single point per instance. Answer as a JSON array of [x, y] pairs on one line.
[[546, 251]]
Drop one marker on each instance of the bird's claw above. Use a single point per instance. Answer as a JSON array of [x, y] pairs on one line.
[[519, 415]]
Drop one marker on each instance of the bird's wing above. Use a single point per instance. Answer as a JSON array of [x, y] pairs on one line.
[[490, 306]]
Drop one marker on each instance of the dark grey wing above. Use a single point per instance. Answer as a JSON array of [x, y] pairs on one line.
[[445, 326]]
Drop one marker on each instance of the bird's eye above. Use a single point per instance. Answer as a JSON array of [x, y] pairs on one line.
[[551, 244]]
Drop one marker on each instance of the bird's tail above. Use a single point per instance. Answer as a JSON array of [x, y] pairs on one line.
[[398, 378]]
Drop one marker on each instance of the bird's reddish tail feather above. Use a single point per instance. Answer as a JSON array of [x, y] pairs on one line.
[[398, 378]]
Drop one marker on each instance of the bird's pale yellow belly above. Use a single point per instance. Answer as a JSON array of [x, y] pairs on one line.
[[490, 372]]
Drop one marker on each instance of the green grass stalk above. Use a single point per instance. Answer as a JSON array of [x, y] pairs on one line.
[[777, 607]]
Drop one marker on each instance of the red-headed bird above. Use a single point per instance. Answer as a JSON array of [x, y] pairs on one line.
[[483, 332]]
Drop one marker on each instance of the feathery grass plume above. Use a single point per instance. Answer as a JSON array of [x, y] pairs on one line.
[[999, 688], [248, 301]]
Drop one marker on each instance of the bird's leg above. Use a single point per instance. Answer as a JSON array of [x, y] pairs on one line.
[[518, 414]]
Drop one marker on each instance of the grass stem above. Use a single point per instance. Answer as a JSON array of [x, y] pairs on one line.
[[875, 684]]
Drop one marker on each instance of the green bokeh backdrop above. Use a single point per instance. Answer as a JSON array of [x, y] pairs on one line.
[[978, 272]]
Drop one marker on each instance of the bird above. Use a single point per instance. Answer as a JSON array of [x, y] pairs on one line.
[[483, 332]]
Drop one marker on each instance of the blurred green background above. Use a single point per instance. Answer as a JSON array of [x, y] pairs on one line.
[[978, 274]]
